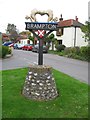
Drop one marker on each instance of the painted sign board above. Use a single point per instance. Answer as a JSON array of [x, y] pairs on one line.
[[41, 33], [41, 26]]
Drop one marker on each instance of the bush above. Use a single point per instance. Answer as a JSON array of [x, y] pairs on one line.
[[0, 51], [67, 50], [5, 50], [85, 52], [82, 53], [60, 47], [72, 50], [77, 50], [9, 50]]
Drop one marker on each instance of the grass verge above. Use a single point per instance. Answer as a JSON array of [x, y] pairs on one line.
[[72, 101]]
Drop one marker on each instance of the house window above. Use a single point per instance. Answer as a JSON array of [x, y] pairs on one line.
[[59, 42], [60, 32]]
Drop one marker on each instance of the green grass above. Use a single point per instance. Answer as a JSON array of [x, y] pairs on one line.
[[72, 101], [0, 95]]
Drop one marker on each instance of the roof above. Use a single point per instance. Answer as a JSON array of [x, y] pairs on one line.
[[22, 37], [4, 35], [69, 23]]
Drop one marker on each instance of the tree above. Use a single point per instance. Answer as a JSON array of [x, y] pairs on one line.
[[12, 31], [31, 38], [25, 33], [86, 30], [51, 39]]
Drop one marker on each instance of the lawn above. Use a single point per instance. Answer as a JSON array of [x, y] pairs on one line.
[[72, 101], [0, 95]]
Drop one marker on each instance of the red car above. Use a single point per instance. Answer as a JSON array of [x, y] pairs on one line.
[[27, 47]]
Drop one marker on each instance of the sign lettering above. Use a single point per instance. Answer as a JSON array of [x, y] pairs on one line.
[[41, 26]]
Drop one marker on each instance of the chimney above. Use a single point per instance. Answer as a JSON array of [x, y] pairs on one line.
[[60, 19], [76, 18]]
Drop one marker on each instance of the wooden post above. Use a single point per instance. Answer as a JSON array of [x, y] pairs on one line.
[[40, 55], [40, 52]]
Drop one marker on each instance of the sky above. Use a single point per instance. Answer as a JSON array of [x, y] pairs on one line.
[[14, 11]]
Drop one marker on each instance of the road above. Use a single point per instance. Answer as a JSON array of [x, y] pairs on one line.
[[75, 68]]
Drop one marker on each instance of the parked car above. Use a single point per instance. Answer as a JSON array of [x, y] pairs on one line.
[[18, 46], [27, 47], [10, 44], [15, 46], [36, 48]]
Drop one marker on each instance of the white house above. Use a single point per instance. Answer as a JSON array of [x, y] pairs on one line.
[[72, 34], [69, 34], [25, 41]]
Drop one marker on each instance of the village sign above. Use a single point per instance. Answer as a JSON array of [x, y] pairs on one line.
[[49, 26], [40, 83]]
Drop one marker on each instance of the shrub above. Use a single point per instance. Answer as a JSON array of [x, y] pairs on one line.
[[60, 47], [5, 51], [71, 55], [0, 51], [67, 50], [61, 53], [85, 52], [77, 50], [9, 50], [72, 50]]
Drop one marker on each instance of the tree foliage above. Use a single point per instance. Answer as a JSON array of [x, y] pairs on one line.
[[86, 30], [51, 39], [51, 36], [25, 33], [12, 31], [31, 38]]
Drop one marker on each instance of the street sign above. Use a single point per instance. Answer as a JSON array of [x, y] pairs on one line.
[[41, 26]]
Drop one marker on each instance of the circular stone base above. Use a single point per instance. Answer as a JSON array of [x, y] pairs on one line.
[[39, 83]]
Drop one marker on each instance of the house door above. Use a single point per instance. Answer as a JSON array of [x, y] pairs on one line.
[[28, 41]]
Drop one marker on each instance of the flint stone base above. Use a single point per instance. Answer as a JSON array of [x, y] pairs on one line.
[[39, 83]]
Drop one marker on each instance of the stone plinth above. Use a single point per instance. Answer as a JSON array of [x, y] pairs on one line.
[[39, 83]]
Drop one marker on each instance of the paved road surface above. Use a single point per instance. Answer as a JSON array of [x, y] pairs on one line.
[[75, 68]]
